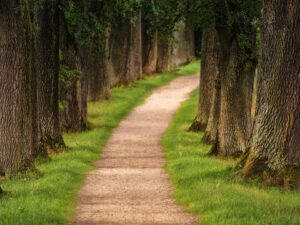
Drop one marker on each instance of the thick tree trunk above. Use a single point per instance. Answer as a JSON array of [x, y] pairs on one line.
[[190, 38], [185, 41], [74, 94], [126, 51], [47, 73], [150, 52], [73, 84], [211, 131], [165, 55], [235, 120], [136, 56], [117, 52], [208, 76], [95, 69], [17, 91], [275, 147], [133, 67]]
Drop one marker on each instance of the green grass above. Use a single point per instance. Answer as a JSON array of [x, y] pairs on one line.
[[51, 199], [205, 184]]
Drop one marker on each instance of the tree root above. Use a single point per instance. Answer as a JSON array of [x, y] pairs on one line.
[[197, 126], [251, 166]]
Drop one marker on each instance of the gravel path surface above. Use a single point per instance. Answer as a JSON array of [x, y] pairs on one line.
[[129, 185]]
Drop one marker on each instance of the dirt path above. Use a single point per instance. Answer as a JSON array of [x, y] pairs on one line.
[[129, 185]]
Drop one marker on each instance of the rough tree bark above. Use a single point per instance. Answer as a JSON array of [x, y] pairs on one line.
[[211, 131], [16, 87], [47, 73], [165, 55], [95, 68], [184, 42], [150, 52], [275, 145], [74, 93], [133, 66], [237, 68], [235, 122], [209, 72], [190, 38], [74, 88], [126, 51], [136, 56], [117, 52]]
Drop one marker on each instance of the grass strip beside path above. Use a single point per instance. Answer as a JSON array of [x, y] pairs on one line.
[[51, 199], [205, 184]]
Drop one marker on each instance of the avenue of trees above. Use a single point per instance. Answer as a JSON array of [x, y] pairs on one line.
[[250, 85], [56, 55]]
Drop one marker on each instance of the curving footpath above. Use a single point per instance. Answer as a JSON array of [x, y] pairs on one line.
[[129, 185]]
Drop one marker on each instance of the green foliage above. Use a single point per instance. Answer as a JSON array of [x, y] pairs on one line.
[[83, 24], [233, 19], [201, 13], [206, 185], [51, 199], [89, 20], [67, 75], [125, 10], [163, 16], [229, 14]]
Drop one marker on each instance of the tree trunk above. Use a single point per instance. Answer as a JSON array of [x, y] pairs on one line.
[[47, 73], [150, 52], [136, 57], [275, 145], [126, 51], [73, 83], [119, 48], [211, 131], [95, 69], [165, 55], [185, 41], [16, 87], [208, 76], [235, 120], [190, 38], [133, 67], [74, 94]]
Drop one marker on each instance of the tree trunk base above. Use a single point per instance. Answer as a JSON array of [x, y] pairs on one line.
[[48, 146], [287, 177], [55, 149], [2, 176], [208, 139], [213, 150], [197, 126]]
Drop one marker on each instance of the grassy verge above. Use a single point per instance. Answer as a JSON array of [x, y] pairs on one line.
[[51, 199], [204, 183]]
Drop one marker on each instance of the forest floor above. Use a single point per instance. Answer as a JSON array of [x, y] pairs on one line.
[[50, 198], [208, 185], [129, 185]]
